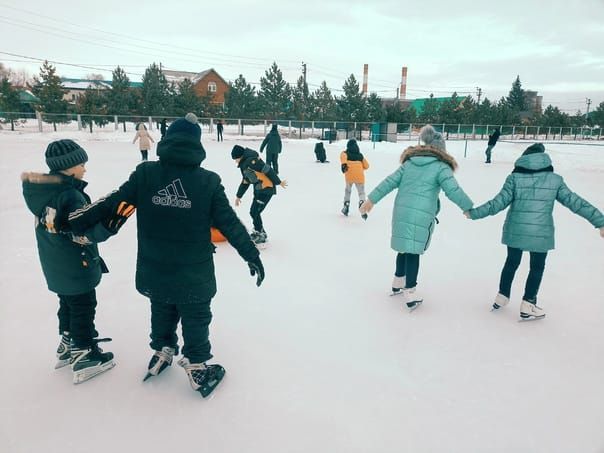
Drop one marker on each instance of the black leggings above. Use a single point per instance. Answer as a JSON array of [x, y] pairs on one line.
[[195, 321], [407, 265], [272, 159], [258, 205], [144, 154], [76, 316], [535, 275]]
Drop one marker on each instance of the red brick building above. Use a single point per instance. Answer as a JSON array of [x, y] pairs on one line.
[[207, 83]]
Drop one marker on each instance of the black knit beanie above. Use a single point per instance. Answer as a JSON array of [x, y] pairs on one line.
[[64, 154], [237, 152], [186, 127], [534, 149]]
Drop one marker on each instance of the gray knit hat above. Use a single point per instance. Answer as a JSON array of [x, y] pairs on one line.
[[429, 136], [64, 154]]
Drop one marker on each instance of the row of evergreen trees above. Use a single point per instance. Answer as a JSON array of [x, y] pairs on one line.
[[275, 99]]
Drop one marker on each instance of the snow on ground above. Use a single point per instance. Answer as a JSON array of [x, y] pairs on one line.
[[320, 358]]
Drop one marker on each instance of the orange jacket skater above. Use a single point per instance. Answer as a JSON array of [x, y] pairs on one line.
[[353, 167]]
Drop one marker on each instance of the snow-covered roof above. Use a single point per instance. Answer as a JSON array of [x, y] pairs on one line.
[[83, 84], [194, 77]]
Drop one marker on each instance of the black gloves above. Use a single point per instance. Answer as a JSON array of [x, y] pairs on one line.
[[257, 269], [119, 217], [344, 168]]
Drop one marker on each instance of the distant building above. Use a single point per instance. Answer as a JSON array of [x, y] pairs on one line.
[[206, 83], [74, 88]]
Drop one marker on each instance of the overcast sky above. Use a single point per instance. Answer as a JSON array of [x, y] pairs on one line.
[[557, 47]]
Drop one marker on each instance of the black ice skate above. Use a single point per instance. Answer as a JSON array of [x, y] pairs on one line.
[[63, 351], [160, 361], [203, 378], [260, 239], [364, 216], [346, 208], [87, 363]]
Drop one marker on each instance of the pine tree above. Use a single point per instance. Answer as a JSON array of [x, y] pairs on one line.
[[9, 102], [597, 116], [300, 107], [429, 113], [375, 111], [48, 89], [120, 97], [93, 106], [274, 93], [352, 104], [324, 105], [187, 100], [516, 98], [449, 111], [157, 95], [241, 100]]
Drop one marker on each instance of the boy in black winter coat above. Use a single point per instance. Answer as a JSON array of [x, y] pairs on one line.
[[265, 180], [177, 202], [491, 144], [273, 145], [71, 264]]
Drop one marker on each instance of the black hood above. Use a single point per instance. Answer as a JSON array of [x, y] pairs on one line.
[[181, 150], [248, 154]]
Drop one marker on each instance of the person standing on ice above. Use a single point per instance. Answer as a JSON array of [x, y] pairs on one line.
[[71, 264], [425, 170], [265, 181], [144, 141], [353, 165], [273, 145], [530, 191], [491, 144], [219, 130], [177, 202]]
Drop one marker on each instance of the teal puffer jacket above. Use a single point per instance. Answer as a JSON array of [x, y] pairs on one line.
[[530, 192], [419, 180]]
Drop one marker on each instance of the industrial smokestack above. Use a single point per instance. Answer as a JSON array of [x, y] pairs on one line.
[[365, 77], [403, 90]]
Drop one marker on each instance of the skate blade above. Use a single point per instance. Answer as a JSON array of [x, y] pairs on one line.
[[147, 376], [62, 363], [414, 307], [89, 373], [531, 318]]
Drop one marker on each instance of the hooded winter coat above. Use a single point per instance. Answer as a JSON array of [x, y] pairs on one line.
[[423, 173], [356, 164], [493, 138], [272, 142], [530, 192], [71, 264], [144, 139], [257, 173], [176, 202]]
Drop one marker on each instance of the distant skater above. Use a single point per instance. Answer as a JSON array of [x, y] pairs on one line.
[[491, 144], [144, 141]]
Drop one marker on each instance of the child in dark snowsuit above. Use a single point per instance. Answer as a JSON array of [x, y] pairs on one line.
[[264, 178], [71, 264], [177, 202], [272, 142], [320, 153], [531, 192]]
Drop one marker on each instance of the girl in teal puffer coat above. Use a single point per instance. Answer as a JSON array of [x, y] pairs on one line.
[[530, 192], [424, 172]]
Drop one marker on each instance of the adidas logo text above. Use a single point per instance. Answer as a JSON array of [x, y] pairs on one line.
[[173, 196]]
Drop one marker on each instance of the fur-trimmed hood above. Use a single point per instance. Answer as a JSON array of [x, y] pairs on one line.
[[429, 151], [40, 188]]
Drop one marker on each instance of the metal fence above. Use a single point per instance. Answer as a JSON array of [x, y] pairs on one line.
[[334, 130]]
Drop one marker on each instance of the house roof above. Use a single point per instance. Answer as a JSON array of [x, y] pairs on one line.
[[83, 84], [26, 97], [194, 77]]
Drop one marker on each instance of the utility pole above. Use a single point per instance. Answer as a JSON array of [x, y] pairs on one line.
[[304, 89], [588, 102], [478, 93]]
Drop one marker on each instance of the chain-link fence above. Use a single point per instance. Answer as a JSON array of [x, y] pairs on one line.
[[294, 129]]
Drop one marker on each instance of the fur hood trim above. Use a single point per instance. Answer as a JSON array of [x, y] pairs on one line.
[[429, 151]]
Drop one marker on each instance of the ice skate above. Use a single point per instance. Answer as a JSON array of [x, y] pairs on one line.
[[203, 378], [500, 302], [160, 361], [364, 216], [529, 311], [412, 298], [346, 208], [398, 285], [87, 363], [63, 351], [260, 239]]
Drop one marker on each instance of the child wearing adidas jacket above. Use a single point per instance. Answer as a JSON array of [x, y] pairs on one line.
[[177, 201], [530, 192]]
